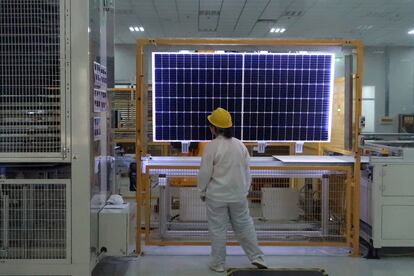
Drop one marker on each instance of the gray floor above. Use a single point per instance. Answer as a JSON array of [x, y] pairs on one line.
[[159, 261]]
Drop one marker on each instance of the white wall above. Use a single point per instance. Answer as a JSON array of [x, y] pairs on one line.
[[401, 81], [400, 74], [374, 75], [125, 63], [401, 78]]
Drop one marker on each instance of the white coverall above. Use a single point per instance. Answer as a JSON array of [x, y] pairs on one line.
[[224, 179]]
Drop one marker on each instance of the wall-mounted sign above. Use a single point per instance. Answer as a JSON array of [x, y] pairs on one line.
[[100, 87]]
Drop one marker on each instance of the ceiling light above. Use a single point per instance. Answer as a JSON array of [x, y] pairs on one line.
[[141, 29], [411, 32], [136, 29], [277, 30], [131, 28], [365, 27]]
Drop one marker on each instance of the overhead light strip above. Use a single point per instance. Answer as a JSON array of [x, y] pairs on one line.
[[278, 30], [136, 29]]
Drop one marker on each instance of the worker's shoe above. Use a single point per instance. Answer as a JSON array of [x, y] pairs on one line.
[[259, 263], [217, 268]]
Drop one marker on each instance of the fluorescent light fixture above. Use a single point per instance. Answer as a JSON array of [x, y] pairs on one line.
[[365, 27], [141, 29], [184, 51], [89, 30], [277, 30], [411, 32], [136, 29], [131, 28], [220, 52]]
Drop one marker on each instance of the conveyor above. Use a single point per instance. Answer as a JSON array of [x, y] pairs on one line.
[[262, 162]]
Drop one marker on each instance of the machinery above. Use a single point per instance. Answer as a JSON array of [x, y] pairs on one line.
[[406, 123], [387, 192], [278, 92], [287, 202], [56, 159]]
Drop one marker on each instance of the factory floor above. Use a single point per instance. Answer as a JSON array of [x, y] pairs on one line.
[[184, 260]]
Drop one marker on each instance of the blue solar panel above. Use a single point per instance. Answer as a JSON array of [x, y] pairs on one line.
[[188, 87], [287, 97], [272, 97]]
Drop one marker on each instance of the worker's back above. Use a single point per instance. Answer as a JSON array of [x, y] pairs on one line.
[[230, 179]]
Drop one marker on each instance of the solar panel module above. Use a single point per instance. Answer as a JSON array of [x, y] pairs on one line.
[[272, 97]]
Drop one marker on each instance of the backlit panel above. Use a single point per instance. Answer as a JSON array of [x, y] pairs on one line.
[[272, 97]]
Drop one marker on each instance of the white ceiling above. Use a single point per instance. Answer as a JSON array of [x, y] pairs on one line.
[[377, 22]]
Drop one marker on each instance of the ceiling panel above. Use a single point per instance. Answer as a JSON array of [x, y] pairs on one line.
[[249, 16], [214, 5], [187, 6], [188, 16], [209, 15], [377, 22], [275, 9], [229, 16], [167, 10]]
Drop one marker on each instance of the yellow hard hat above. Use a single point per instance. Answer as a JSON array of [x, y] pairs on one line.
[[220, 118]]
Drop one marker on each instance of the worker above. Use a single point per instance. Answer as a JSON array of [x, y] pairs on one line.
[[224, 182]]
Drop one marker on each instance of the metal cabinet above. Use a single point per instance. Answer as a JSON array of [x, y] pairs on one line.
[[117, 230], [387, 203]]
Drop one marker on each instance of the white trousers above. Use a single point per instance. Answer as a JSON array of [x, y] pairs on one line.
[[219, 214]]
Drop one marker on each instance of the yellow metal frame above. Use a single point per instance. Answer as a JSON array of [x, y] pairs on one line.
[[142, 195]]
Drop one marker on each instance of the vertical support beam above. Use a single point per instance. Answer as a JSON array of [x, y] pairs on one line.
[[147, 200], [25, 211], [349, 102], [163, 211], [5, 222], [325, 205], [82, 163], [139, 136], [292, 148], [165, 205], [320, 149], [356, 148], [165, 150], [348, 207], [387, 83]]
